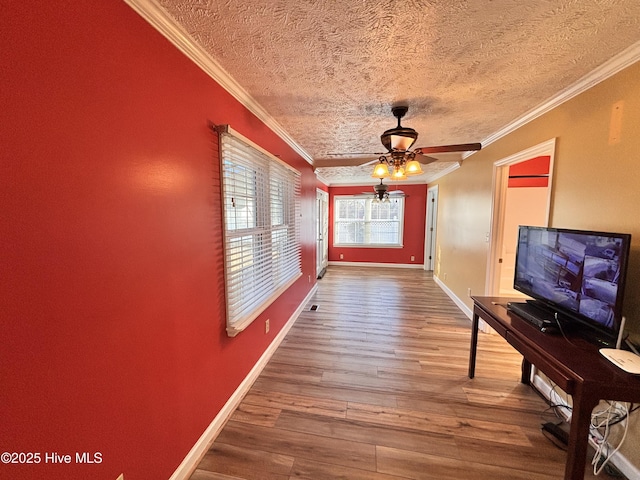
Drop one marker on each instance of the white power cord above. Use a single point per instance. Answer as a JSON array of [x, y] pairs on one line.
[[614, 413]]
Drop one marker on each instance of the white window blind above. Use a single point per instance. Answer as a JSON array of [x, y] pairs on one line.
[[262, 229], [365, 222]]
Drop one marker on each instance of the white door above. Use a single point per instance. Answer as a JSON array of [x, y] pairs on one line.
[[322, 231]]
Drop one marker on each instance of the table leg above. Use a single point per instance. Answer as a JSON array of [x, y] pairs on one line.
[[583, 405], [474, 345], [526, 372]]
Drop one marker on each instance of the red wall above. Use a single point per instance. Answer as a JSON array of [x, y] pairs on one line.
[[414, 227], [523, 174], [112, 311]]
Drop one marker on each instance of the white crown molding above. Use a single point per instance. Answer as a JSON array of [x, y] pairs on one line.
[[356, 181], [163, 23], [321, 179], [609, 68], [422, 180], [367, 183]]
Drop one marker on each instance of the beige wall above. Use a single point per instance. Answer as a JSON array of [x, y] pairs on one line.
[[596, 186]]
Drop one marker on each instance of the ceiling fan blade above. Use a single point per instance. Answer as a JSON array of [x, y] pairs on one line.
[[370, 162], [354, 154], [425, 159], [463, 147]]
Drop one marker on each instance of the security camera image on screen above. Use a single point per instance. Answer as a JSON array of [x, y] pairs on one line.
[[580, 272]]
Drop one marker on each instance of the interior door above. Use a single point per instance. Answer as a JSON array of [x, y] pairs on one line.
[[322, 232]]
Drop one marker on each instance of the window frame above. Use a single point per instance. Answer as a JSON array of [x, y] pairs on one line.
[[369, 201], [262, 247]]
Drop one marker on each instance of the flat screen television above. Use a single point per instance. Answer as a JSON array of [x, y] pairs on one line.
[[578, 274]]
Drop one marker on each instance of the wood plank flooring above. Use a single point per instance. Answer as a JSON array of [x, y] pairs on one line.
[[373, 385]]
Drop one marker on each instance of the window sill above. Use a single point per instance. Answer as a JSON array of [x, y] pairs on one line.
[[367, 245], [238, 326]]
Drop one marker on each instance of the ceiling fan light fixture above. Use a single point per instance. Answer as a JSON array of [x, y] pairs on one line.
[[381, 170], [399, 138], [412, 168], [398, 173]]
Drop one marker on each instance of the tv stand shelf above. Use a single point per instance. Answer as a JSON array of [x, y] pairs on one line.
[[576, 367]]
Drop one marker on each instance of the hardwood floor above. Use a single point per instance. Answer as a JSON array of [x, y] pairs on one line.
[[373, 385]]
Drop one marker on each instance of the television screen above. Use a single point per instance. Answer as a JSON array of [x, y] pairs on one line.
[[577, 273]]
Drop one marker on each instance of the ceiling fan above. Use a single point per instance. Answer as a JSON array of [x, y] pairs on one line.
[[382, 193], [399, 161]]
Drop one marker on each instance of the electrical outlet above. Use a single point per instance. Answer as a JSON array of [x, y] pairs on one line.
[[341, 256], [309, 278], [468, 292], [413, 258], [266, 326]]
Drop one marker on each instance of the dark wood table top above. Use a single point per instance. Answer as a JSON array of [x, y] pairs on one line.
[[564, 360]]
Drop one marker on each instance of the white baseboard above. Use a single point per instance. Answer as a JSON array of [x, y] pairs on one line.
[[461, 305], [482, 325], [190, 462], [371, 264]]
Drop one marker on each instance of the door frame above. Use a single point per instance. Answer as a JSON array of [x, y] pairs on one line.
[[322, 231], [499, 191], [431, 222]]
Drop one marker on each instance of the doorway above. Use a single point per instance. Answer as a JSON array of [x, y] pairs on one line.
[[521, 196], [322, 232], [430, 228]]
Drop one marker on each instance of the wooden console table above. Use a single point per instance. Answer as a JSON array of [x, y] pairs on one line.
[[576, 367]]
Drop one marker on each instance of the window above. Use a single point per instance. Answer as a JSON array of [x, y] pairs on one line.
[[367, 222], [262, 228]]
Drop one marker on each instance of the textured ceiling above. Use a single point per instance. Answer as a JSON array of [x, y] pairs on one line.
[[329, 71]]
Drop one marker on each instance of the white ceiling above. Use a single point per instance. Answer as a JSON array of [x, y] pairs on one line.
[[328, 71]]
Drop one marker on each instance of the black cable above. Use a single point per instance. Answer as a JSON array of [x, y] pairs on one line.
[[555, 409], [555, 315]]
